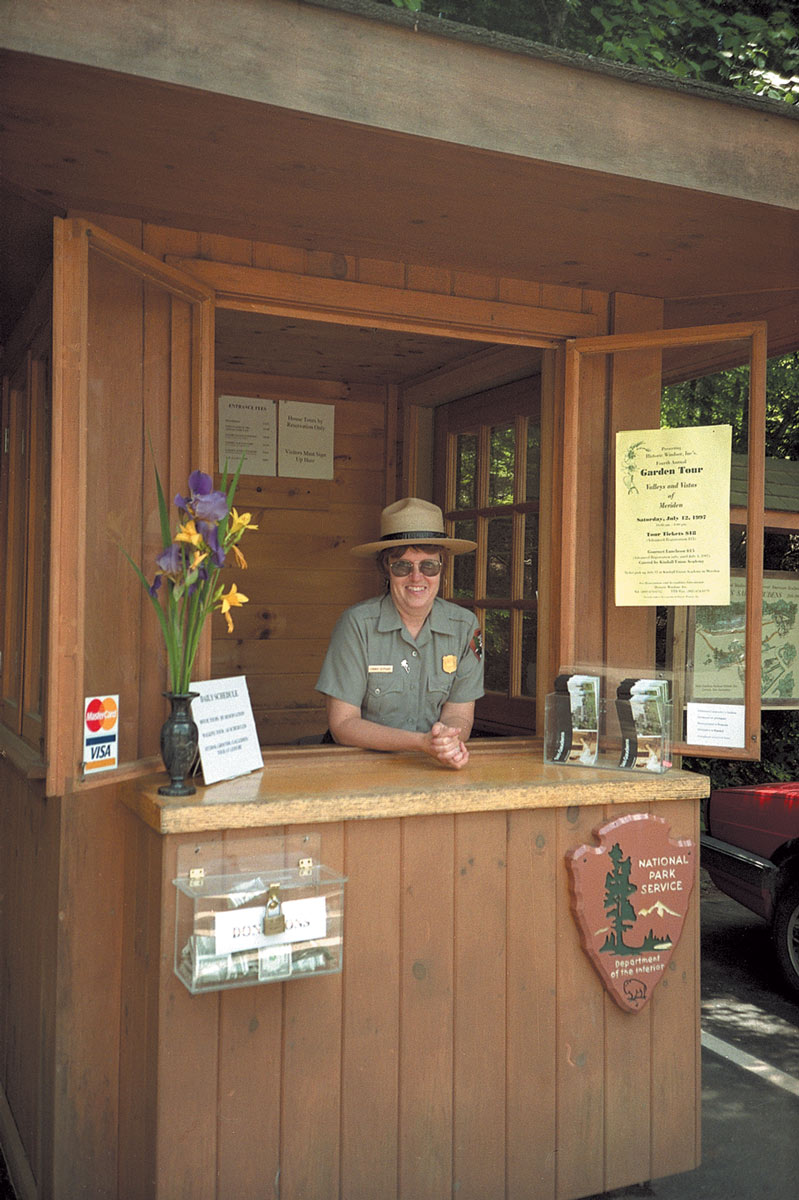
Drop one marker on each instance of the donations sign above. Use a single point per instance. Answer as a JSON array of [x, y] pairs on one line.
[[673, 516], [629, 898]]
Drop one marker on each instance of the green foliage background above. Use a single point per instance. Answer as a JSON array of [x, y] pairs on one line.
[[748, 44]]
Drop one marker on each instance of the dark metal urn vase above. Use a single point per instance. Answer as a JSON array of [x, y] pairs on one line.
[[179, 744]]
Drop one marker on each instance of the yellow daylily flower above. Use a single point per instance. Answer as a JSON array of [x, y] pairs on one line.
[[189, 533], [197, 558], [234, 599], [239, 522], [241, 561]]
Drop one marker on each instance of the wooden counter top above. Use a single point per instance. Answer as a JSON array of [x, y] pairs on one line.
[[302, 785]]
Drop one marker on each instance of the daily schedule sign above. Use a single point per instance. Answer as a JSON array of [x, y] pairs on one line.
[[673, 516]]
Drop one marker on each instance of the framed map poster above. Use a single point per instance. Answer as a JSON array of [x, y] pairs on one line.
[[719, 636]]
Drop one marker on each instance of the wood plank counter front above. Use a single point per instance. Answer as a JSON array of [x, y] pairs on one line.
[[468, 1047]]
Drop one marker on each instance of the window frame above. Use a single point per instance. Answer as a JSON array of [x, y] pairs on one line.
[[579, 349], [514, 711]]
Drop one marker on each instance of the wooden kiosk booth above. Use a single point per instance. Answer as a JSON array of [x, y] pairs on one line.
[[481, 311]]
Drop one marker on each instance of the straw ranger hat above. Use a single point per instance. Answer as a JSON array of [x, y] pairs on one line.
[[416, 523]]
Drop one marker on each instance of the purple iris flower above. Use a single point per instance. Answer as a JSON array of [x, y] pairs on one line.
[[204, 504], [171, 560], [210, 536]]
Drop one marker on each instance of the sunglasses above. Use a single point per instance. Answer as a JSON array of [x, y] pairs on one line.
[[402, 567]]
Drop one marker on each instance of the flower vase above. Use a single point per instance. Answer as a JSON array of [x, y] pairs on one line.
[[179, 740]]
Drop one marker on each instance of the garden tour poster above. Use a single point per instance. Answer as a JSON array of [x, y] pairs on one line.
[[673, 516]]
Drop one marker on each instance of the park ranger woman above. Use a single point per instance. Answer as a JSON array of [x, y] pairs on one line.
[[403, 670]]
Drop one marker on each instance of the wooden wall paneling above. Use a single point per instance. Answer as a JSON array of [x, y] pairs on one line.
[[160, 240], [87, 1023], [16, 473], [20, 1012], [155, 434], [479, 1004], [64, 715], [235, 656], [311, 1093], [520, 291], [570, 299], [277, 258], [128, 229], [592, 532], [634, 404], [549, 530], [250, 1076], [580, 1031], [386, 274], [139, 1026], [428, 279], [112, 617], [226, 249], [391, 449], [676, 1050], [531, 1021], [629, 1115], [280, 387], [347, 302], [187, 1094], [480, 287], [29, 868], [38, 476], [426, 998], [370, 1050]]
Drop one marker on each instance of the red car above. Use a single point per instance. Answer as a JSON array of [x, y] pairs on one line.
[[751, 852]]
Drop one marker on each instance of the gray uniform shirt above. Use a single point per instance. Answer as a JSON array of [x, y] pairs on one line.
[[374, 663]]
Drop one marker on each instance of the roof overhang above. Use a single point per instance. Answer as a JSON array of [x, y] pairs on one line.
[[338, 126]]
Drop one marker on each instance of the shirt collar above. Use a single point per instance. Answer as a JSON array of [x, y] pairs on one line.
[[389, 619]]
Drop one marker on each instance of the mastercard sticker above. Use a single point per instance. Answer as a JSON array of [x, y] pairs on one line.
[[100, 728]]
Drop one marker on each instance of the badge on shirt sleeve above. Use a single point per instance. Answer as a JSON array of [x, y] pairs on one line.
[[449, 663], [476, 644]]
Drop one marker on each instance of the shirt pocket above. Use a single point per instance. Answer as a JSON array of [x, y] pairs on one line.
[[387, 702], [439, 687]]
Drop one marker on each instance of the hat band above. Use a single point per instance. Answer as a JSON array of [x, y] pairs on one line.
[[413, 535]]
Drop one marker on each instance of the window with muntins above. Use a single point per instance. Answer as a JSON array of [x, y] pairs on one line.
[[490, 445]]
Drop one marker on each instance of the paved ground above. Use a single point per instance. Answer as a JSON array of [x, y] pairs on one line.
[[750, 1070]]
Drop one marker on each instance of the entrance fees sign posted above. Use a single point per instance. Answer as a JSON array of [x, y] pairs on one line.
[[100, 733], [673, 516], [248, 426], [228, 741]]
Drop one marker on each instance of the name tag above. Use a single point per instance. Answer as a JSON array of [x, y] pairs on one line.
[[380, 669]]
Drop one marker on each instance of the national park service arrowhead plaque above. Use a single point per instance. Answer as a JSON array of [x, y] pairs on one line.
[[629, 897]]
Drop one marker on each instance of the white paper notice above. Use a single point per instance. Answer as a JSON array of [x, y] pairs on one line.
[[248, 426], [715, 725], [228, 740], [673, 516], [243, 929], [305, 440]]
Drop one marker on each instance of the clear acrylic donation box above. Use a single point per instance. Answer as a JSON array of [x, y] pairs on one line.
[[277, 917]]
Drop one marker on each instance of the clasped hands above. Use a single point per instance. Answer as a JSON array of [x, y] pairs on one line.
[[444, 743]]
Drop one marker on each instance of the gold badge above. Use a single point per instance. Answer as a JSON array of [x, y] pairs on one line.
[[449, 663]]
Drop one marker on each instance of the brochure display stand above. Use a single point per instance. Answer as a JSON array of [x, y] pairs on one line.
[[632, 731], [280, 920]]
